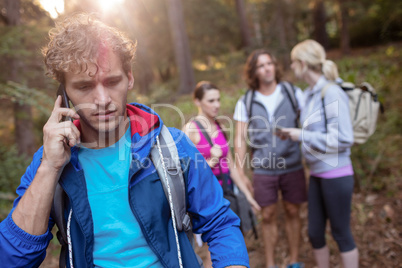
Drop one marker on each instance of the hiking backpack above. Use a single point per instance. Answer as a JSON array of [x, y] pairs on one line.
[[165, 158], [364, 107]]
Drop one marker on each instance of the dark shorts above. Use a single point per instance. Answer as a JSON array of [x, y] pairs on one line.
[[292, 186]]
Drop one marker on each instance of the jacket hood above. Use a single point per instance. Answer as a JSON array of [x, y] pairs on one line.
[[145, 126]]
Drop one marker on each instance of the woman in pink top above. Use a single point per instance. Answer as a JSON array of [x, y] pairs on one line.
[[218, 156]]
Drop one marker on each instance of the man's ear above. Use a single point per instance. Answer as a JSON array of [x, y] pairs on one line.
[[130, 80]]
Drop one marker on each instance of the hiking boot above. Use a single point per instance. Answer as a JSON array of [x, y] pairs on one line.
[[296, 265]]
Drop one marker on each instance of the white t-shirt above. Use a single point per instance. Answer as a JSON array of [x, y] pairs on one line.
[[270, 103]]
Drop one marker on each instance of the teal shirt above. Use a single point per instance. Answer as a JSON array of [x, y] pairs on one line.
[[119, 241]]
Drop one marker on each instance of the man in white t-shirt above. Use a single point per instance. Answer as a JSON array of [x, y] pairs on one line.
[[266, 107]]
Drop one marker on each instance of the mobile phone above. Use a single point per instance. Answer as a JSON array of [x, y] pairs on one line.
[[65, 101], [278, 128]]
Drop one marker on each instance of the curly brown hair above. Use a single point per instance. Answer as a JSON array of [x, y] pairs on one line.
[[251, 67], [74, 45]]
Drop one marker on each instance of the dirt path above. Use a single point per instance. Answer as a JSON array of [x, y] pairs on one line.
[[377, 228]]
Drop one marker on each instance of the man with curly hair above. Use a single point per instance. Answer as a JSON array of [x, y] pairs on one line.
[[116, 211], [268, 105]]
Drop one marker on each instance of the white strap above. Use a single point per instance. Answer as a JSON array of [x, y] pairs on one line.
[[70, 245], [170, 202]]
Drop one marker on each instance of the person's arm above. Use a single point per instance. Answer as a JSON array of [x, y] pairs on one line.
[[25, 233], [240, 148], [211, 213], [240, 183], [33, 210], [339, 135]]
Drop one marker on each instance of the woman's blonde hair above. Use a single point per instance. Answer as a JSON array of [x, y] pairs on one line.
[[313, 54], [75, 43]]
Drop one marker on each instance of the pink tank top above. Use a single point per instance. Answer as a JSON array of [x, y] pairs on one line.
[[205, 149]]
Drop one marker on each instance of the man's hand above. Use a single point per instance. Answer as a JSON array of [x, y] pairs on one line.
[[58, 137], [32, 212]]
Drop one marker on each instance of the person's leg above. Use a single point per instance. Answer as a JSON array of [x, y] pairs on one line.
[[317, 219], [321, 256], [293, 188], [269, 233], [338, 200], [293, 229], [350, 259], [266, 195]]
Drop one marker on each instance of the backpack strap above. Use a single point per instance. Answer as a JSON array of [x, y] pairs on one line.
[[57, 214], [174, 175], [290, 91], [323, 91], [208, 138], [204, 132], [248, 101]]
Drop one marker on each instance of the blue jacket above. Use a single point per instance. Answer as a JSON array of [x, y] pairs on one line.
[[210, 212]]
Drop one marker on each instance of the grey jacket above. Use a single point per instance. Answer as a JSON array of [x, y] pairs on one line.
[[326, 148], [270, 155]]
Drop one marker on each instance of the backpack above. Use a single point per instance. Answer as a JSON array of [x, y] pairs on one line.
[[364, 107], [238, 200], [290, 91], [171, 175]]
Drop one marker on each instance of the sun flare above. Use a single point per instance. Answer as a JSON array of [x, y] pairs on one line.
[[54, 7], [108, 4]]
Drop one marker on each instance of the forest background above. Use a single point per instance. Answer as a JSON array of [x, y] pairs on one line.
[[182, 42]]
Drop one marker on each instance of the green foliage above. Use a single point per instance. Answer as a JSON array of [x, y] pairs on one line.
[[375, 22], [212, 27], [22, 94], [377, 162], [12, 167]]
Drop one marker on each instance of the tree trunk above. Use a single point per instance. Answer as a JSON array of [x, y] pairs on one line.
[[143, 72], [245, 32], [181, 46], [282, 30], [24, 135], [345, 38], [257, 26], [320, 21]]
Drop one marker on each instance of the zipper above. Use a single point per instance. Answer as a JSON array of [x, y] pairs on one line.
[[140, 222], [79, 224]]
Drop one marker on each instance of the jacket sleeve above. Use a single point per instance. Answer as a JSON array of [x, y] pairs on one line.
[[211, 213], [17, 247], [339, 135]]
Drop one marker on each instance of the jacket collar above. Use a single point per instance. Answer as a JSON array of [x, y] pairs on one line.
[[322, 81], [145, 127]]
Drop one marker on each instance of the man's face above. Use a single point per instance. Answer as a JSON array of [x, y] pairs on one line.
[[100, 94], [265, 69]]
